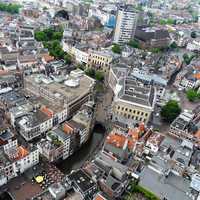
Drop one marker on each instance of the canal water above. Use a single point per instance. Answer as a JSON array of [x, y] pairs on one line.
[[85, 152]]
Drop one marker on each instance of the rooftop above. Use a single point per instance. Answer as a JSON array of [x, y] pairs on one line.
[[5, 135], [156, 139], [149, 33], [12, 97], [183, 153], [120, 141], [182, 121], [112, 183], [74, 86], [174, 187], [104, 162], [32, 119], [136, 92], [82, 180]]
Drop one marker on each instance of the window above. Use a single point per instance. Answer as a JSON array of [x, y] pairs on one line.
[[118, 107], [126, 109], [142, 113], [138, 112], [146, 114], [130, 110]]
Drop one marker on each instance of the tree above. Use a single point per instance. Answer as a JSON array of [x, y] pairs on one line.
[[90, 72], [134, 44], [192, 95], [173, 45], [162, 22], [193, 34], [156, 50], [55, 49], [171, 21], [51, 40], [116, 49], [81, 66], [10, 8], [45, 8], [99, 76], [167, 21], [57, 36], [49, 33], [187, 59], [40, 36], [68, 59], [170, 111]]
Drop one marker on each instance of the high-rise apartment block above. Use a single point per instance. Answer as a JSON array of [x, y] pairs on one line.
[[125, 24]]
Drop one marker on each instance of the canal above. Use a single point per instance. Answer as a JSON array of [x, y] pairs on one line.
[[85, 152]]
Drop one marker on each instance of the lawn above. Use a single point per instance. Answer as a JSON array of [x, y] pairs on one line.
[[139, 193]]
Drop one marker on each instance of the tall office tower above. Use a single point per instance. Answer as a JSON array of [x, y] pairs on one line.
[[125, 24]]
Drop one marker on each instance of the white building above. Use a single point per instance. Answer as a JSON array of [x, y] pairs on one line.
[[194, 45], [125, 24], [154, 141], [80, 53], [16, 160]]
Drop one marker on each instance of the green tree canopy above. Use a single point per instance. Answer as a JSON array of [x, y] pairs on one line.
[[99, 75], [81, 66], [116, 49], [90, 72], [192, 95], [193, 34], [173, 45], [167, 21], [134, 44], [49, 34], [55, 49], [68, 59], [10, 8], [170, 111], [57, 36], [187, 59], [51, 40], [40, 36]]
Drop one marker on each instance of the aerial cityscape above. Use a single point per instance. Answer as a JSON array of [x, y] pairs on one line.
[[99, 99]]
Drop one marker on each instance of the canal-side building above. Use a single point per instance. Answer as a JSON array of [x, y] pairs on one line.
[[119, 146], [62, 142], [30, 120]]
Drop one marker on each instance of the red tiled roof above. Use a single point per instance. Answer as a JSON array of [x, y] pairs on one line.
[[47, 111], [197, 75], [67, 128]]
